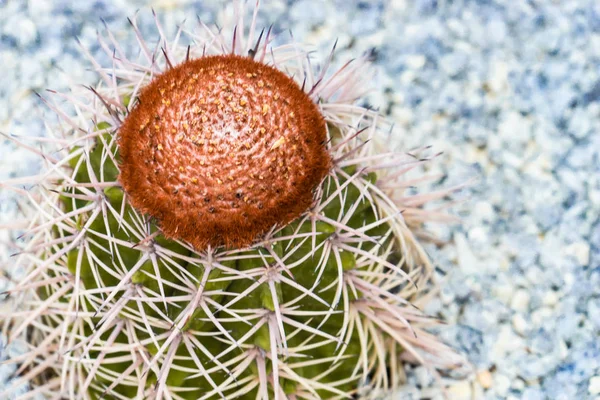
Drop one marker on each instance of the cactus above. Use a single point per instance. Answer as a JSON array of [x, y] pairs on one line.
[[220, 221]]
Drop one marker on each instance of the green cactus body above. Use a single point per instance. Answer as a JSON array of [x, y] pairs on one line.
[[316, 271], [125, 302]]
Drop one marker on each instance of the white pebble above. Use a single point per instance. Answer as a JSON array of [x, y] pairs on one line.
[[594, 195], [501, 385], [466, 259], [550, 298], [478, 235], [25, 31], [484, 210], [580, 251], [504, 293], [518, 384], [498, 79], [594, 386], [407, 77], [515, 127], [506, 343], [520, 301], [569, 279], [540, 315], [403, 115], [416, 61], [519, 324], [563, 350], [424, 378], [39, 8], [460, 391]]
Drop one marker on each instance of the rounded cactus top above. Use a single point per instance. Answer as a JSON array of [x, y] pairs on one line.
[[220, 149]]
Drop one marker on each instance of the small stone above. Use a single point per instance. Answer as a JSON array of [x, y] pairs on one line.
[[25, 32], [497, 30], [407, 77], [403, 115], [485, 379], [515, 128], [507, 342], [550, 298], [540, 315], [407, 391], [504, 293], [484, 210], [424, 378], [466, 259], [594, 195], [533, 274], [543, 341], [593, 312], [518, 384], [520, 301], [460, 391], [563, 350], [519, 324], [569, 280], [454, 63], [532, 393], [594, 386], [457, 27], [416, 61], [479, 236], [478, 392], [580, 251], [501, 385], [498, 79]]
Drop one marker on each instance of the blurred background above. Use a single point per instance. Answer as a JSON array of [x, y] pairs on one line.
[[509, 90]]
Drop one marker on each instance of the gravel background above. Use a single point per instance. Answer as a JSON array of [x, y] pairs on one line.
[[509, 90]]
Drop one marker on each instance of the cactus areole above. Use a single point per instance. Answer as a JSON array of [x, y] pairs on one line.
[[221, 148]]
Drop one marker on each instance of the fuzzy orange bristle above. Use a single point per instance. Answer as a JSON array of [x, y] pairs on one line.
[[209, 153]]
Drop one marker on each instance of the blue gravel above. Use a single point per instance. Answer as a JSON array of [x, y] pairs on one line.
[[509, 90]]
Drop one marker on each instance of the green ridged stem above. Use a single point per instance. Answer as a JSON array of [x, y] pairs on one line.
[[304, 274]]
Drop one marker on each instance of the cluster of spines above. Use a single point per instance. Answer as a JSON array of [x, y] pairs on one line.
[[343, 298], [107, 326]]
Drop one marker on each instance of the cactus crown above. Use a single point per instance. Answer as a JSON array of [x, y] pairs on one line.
[[221, 148], [160, 265]]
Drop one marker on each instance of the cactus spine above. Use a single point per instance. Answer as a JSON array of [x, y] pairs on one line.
[[209, 228]]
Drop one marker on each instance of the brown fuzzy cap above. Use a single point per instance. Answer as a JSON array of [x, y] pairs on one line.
[[220, 149]]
